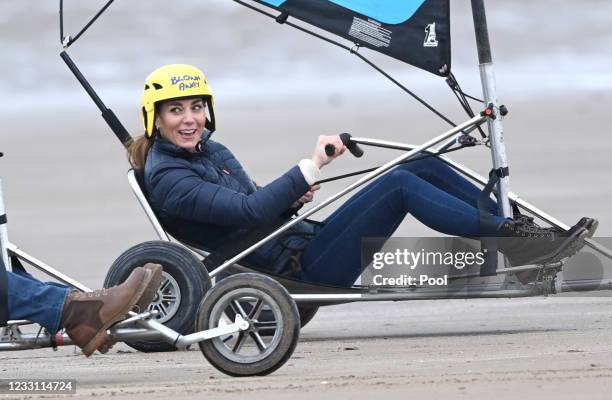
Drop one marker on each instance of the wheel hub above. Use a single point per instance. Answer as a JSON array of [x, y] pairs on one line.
[[167, 299]]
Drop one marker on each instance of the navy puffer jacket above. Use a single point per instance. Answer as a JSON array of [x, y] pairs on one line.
[[206, 198]]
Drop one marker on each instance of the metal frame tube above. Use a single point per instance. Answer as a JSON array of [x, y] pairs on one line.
[[487, 77], [84, 83], [239, 325], [586, 285], [30, 341], [131, 334], [4, 234], [170, 335], [465, 291], [144, 203], [36, 263], [372, 175], [107, 114], [18, 322]]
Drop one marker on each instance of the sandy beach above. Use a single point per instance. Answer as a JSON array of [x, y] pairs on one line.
[[69, 203]]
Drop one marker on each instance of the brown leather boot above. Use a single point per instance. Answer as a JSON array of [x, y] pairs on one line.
[[144, 301], [151, 291], [87, 315]]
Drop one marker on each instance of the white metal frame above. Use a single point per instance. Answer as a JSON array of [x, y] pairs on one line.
[[150, 329], [508, 287]]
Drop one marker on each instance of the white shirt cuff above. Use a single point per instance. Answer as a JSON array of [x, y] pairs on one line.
[[309, 170]]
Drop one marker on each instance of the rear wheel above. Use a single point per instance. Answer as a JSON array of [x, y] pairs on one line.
[[248, 352], [185, 281], [306, 314]]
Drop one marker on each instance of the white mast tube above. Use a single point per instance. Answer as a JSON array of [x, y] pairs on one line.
[[4, 233], [496, 130]]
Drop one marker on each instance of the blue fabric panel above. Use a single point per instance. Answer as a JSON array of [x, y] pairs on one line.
[[386, 11], [414, 31]]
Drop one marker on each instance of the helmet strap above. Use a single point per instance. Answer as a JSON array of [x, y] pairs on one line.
[[202, 143], [155, 133], [210, 123]]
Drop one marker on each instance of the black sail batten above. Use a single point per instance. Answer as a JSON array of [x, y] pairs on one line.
[[422, 39]]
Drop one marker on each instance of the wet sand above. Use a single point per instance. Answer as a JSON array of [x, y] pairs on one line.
[[69, 204], [546, 348]]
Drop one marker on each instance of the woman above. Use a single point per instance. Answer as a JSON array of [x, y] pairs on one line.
[[202, 195]]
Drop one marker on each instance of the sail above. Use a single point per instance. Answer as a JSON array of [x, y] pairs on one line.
[[414, 31]]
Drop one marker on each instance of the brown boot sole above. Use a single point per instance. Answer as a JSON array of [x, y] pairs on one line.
[[149, 294], [102, 337], [104, 348]]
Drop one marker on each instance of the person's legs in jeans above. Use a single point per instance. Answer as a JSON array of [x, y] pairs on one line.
[[444, 177], [19, 270], [35, 301], [334, 254]]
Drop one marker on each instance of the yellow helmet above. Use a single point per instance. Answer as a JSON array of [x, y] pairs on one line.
[[175, 81]]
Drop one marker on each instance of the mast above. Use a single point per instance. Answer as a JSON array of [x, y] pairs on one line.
[[496, 130]]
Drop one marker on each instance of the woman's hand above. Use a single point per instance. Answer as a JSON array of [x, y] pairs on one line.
[[309, 195], [319, 157]]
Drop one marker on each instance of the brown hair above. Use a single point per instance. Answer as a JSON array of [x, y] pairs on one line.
[[138, 150]]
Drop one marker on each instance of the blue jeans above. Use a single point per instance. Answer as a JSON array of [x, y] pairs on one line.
[[429, 189], [31, 299]]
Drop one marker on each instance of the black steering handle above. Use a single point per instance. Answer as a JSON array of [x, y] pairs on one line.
[[353, 147]]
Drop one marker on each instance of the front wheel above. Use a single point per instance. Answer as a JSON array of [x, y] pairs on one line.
[[184, 283], [248, 352]]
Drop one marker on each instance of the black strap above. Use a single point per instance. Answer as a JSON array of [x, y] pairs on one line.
[[293, 210], [488, 225], [3, 219], [3, 294], [282, 17], [500, 172]]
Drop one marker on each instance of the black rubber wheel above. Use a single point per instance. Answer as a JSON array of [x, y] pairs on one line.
[[185, 282], [307, 312], [248, 353]]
